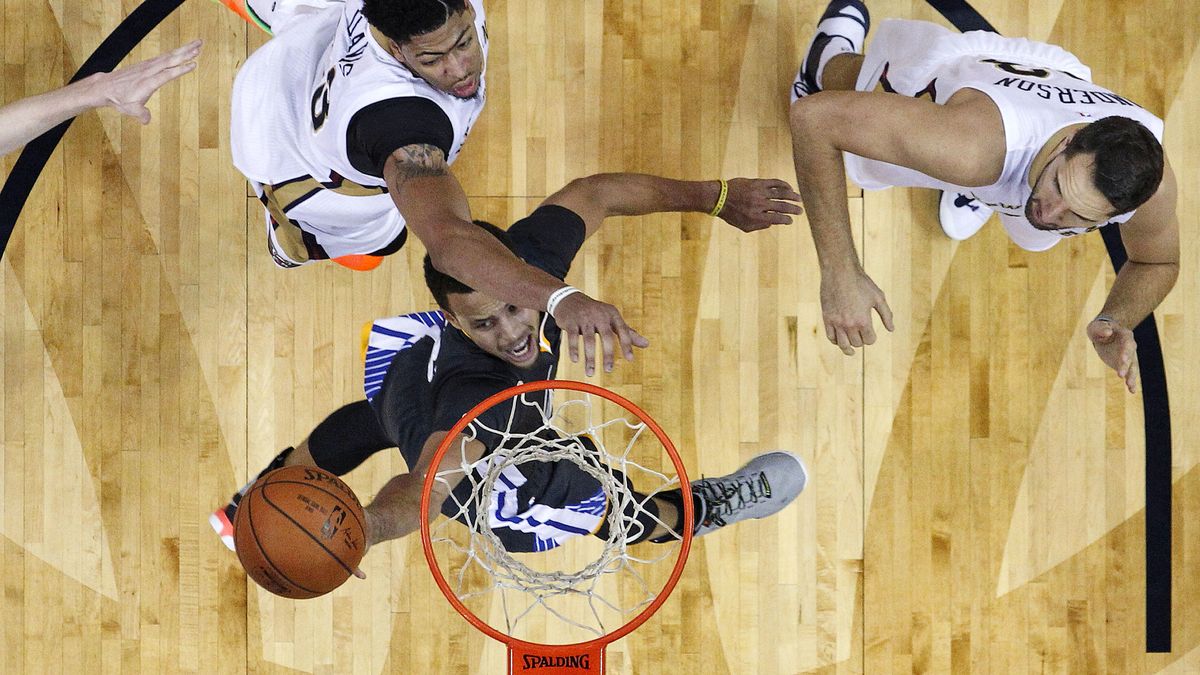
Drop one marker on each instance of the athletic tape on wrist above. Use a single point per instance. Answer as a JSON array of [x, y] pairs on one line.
[[558, 296]]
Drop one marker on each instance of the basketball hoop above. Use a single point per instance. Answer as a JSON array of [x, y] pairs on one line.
[[603, 435]]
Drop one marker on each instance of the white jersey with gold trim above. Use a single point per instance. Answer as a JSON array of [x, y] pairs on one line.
[[1039, 89], [293, 101]]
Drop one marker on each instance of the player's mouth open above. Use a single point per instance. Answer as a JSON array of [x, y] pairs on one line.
[[466, 89], [523, 349]]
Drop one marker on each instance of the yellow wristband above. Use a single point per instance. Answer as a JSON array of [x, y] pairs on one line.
[[720, 200]]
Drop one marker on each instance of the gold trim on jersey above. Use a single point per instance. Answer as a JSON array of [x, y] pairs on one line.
[[282, 197]]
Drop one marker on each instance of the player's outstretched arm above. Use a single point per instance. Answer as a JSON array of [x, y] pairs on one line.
[[1151, 239], [891, 128], [126, 89], [749, 203], [396, 510], [435, 208]]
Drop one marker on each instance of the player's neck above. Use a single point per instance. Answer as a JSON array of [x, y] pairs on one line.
[[1047, 153]]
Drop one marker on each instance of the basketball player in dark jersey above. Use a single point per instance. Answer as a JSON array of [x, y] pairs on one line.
[[477, 346]]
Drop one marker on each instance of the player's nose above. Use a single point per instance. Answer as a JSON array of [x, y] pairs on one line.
[[1055, 211], [458, 67], [511, 329]]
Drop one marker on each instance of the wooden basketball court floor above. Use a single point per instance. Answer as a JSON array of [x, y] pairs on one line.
[[976, 500]]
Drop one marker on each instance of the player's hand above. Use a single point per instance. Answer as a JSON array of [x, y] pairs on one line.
[[127, 89], [1117, 349], [581, 318], [847, 299], [758, 203]]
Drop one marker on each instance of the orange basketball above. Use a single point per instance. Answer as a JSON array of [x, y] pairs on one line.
[[299, 532]]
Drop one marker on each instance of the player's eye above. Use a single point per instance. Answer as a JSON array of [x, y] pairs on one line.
[[464, 43]]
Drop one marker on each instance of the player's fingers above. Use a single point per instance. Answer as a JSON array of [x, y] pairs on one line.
[[774, 218], [589, 352], [855, 337], [868, 334], [184, 53], [885, 314], [782, 187], [830, 333], [786, 207], [1128, 353], [606, 348], [626, 339], [843, 342], [167, 74], [637, 340], [1131, 380], [573, 345], [359, 573]]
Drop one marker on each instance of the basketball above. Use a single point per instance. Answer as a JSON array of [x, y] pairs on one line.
[[299, 532]]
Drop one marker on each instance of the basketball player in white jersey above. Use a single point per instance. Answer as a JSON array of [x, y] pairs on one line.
[[346, 123], [999, 124]]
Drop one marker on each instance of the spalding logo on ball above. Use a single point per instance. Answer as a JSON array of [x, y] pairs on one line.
[[299, 532]]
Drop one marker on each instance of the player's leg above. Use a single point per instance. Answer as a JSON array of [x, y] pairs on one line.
[[339, 444], [842, 30]]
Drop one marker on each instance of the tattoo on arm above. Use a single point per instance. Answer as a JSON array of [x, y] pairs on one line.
[[416, 161]]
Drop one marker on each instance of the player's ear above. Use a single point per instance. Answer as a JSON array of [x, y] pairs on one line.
[[451, 319], [393, 48]]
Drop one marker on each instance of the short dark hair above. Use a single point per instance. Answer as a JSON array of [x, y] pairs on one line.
[[402, 19], [1129, 160], [442, 284]]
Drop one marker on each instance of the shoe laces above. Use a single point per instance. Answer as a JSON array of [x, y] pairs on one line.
[[724, 497]]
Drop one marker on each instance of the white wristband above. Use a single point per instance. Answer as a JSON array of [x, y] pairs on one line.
[[558, 296]]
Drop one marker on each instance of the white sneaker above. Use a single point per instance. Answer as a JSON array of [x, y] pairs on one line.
[[759, 489], [961, 215], [843, 27]]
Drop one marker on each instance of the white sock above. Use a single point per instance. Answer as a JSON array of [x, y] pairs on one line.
[[848, 37]]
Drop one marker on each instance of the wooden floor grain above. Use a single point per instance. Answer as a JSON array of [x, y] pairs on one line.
[[975, 502]]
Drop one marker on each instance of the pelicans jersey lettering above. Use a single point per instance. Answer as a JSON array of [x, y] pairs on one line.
[[1038, 88]]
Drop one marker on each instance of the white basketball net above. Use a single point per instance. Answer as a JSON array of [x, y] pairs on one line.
[[587, 587]]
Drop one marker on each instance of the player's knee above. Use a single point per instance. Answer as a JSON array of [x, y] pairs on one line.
[[808, 113]]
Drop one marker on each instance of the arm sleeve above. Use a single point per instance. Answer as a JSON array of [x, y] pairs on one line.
[[549, 238], [376, 131]]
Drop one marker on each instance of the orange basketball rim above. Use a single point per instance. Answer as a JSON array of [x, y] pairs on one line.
[[579, 657]]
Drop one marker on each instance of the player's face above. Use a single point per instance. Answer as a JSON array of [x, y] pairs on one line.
[[508, 332], [1065, 196], [449, 58]]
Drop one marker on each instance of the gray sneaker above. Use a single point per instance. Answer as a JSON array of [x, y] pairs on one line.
[[759, 489]]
